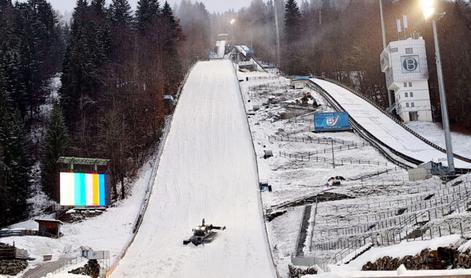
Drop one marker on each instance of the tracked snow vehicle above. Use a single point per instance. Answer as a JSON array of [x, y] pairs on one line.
[[203, 234]]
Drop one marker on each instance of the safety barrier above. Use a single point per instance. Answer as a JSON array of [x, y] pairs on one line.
[[396, 120]]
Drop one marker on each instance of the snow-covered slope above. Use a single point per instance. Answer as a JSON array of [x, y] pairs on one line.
[[434, 133], [208, 170], [384, 128]]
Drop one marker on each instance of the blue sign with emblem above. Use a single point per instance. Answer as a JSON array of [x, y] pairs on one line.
[[331, 121]]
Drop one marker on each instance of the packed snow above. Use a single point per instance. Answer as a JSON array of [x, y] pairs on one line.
[[435, 133], [208, 170], [384, 128]]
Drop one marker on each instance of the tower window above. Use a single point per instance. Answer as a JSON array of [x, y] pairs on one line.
[[407, 104], [409, 50], [405, 84], [411, 94], [407, 94], [412, 104], [410, 84]]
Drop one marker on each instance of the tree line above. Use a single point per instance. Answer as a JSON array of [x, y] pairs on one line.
[[341, 40], [31, 47], [115, 67]]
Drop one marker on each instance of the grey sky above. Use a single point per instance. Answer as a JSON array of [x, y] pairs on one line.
[[211, 5]]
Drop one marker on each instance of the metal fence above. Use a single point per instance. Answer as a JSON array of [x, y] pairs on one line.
[[426, 223], [308, 139], [338, 162], [11, 233]]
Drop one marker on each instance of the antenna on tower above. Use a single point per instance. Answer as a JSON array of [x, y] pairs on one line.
[[406, 25], [399, 28]]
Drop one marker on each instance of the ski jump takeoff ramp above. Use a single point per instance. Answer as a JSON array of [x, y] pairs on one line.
[[387, 132], [207, 170]]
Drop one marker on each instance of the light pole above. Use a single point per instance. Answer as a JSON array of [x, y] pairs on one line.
[[232, 22], [428, 8], [383, 28], [383, 33], [277, 27]]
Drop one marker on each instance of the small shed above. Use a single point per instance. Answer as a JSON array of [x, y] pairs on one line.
[[49, 226]]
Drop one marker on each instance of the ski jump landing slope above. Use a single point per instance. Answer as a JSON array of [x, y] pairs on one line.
[[207, 169], [384, 128]]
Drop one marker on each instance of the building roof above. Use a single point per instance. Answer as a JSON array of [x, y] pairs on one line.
[[49, 220], [83, 161]]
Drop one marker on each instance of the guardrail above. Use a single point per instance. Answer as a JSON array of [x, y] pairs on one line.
[[396, 234], [461, 157], [11, 233], [405, 162], [460, 203], [433, 208]]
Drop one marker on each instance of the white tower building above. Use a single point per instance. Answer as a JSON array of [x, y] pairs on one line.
[[404, 63]]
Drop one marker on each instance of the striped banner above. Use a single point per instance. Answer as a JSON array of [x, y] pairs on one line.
[[82, 190]]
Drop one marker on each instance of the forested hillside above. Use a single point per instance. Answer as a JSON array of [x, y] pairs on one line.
[[115, 66], [31, 47], [341, 39]]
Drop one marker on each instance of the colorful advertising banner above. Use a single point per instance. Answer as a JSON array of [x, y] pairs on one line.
[[82, 190], [331, 121]]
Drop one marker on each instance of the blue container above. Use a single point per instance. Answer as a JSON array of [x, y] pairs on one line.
[[331, 121]]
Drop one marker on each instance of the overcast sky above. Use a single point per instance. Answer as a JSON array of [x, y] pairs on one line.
[[211, 5]]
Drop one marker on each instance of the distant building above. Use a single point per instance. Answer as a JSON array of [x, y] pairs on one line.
[[404, 63]]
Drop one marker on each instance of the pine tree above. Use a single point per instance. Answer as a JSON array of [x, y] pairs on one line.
[[120, 11], [121, 34], [55, 146], [146, 14], [292, 35], [171, 36], [84, 71], [15, 165]]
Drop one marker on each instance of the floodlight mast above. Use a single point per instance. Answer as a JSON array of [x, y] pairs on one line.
[[428, 9], [232, 22], [277, 27]]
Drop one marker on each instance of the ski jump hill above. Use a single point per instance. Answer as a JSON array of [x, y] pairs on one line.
[[392, 138], [207, 170]]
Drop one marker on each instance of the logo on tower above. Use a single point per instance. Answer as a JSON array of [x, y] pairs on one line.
[[410, 64]]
